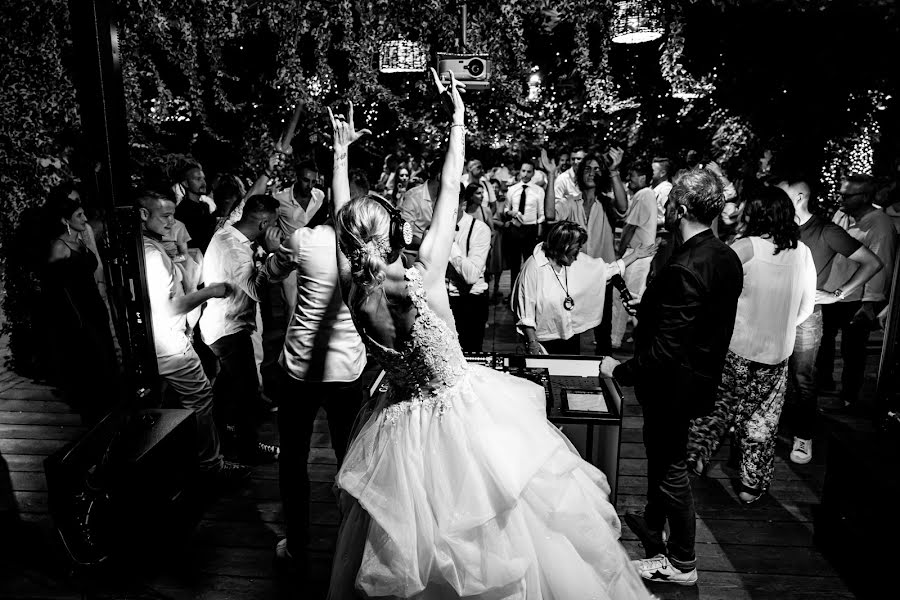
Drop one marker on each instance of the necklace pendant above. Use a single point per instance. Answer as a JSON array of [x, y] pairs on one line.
[[568, 303]]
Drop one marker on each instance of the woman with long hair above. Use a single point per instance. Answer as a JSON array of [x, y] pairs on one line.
[[778, 294], [456, 485], [79, 338], [400, 184]]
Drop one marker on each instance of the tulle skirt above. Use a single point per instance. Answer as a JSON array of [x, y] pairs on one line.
[[475, 494]]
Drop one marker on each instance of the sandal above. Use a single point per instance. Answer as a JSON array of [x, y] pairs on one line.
[[747, 494]]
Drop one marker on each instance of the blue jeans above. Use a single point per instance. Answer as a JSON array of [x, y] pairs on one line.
[[801, 390]]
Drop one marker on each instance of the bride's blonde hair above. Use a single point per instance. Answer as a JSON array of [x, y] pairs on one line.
[[365, 241]]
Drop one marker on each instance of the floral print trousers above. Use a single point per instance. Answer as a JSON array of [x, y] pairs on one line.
[[749, 405]]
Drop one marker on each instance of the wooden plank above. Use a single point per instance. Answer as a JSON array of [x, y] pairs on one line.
[[719, 470], [41, 395], [747, 533], [28, 482], [38, 406], [41, 447], [717, 585], [23, 462], [715, 507], [41, 432], [32, 502], [39, 418]]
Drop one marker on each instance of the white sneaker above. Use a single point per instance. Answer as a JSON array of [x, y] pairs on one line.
[[802, 452], [661, 570]]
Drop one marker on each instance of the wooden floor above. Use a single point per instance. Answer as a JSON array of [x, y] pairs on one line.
[[762, 551]]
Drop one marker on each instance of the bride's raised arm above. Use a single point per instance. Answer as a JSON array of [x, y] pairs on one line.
[[345, 134], [434, 253]]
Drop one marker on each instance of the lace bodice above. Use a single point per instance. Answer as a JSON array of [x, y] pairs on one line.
[[431, 360]]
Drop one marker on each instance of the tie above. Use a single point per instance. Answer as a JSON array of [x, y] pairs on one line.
[[522, 199]]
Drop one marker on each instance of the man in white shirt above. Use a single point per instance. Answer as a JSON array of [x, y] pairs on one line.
[[417, 206], [566, 184], [525, 209], [321, 364], [465, 277], [227, 324], [662, 185], [639, 230], [176, 359], [297, 205]]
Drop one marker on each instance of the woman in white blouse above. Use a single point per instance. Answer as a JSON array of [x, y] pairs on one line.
[[779, 293], [560, 292]]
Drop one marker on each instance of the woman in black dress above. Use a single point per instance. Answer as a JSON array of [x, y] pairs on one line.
[[75, 317]]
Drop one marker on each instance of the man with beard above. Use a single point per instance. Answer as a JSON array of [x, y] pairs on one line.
[[566, 184], [195, 209], [686, 318]]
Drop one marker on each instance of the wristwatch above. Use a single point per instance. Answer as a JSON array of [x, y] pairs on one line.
[[838, 293]]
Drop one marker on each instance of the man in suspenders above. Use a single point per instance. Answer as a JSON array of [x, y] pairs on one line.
[[465, 276]]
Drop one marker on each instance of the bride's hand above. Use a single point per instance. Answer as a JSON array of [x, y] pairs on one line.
[[345, 132], [454, 92]]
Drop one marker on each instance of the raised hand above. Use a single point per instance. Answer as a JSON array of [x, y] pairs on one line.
[[272, 238], [459, 108], [615, 155], [345, 132], [547, 163]]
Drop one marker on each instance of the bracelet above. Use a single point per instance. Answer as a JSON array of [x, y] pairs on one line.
[[614, 173], [459, 125]]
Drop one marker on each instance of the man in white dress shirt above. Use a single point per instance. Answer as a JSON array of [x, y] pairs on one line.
[[176, 359], [227, 324], [297, 205], [525, 209], [465, 276], [321, 364]]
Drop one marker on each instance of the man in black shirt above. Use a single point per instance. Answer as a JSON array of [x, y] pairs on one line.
[[195, 210], [825, 240], [685, 321]]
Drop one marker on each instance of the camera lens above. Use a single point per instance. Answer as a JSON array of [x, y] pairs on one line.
[[475, 67]]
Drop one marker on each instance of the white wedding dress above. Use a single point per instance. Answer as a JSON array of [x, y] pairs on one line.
[[458, 486]]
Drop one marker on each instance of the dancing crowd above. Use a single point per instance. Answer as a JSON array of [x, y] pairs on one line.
[[733, 293]]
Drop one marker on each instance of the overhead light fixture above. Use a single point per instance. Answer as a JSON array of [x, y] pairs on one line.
[[636, 21], [401, 56]]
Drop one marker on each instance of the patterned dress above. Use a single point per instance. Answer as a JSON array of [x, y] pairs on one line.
[[458, 486]]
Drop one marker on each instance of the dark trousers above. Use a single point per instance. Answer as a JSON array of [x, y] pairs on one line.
[[236, 390], [802, 398], [603, 331], [669, 496], [470, 311], [299, 402], [854, 337], [569, 346], [519, 243]]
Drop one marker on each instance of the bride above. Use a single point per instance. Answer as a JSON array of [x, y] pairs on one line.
[[456, 485]]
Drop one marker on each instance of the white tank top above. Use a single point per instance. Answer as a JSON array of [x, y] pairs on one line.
[[779, 292]]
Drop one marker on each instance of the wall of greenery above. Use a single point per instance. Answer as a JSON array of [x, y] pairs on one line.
[[215, 79]]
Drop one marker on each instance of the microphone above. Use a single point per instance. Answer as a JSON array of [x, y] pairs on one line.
[[624, 293]]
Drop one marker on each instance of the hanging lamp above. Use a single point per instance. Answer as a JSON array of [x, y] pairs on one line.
[[636, 21], [401, 56]]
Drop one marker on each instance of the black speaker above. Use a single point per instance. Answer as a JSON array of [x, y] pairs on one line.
[[120, 481]]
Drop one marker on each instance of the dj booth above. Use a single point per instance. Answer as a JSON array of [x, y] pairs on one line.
[[587, 408]]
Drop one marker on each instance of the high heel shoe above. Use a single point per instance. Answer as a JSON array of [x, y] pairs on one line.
[[749, 495]]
